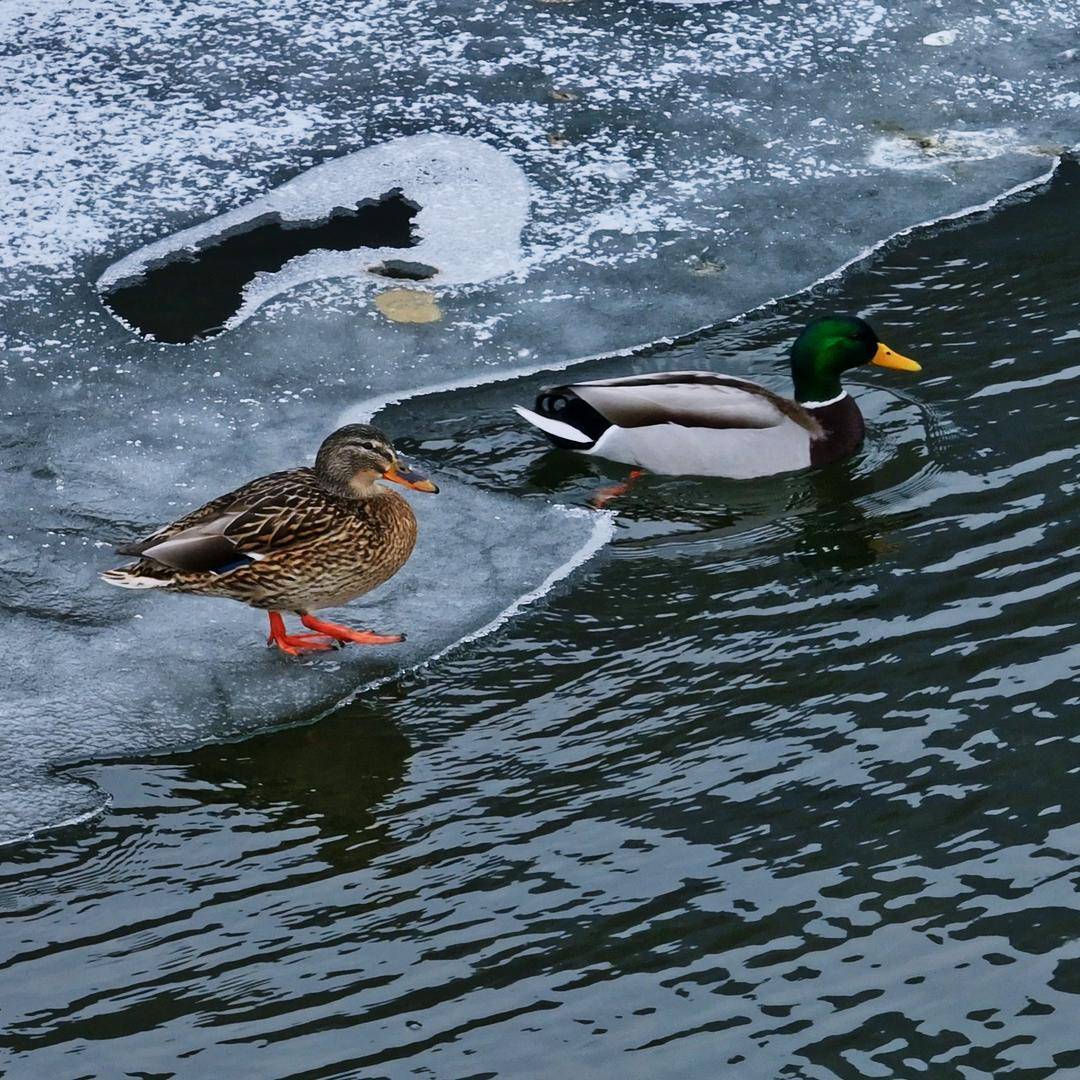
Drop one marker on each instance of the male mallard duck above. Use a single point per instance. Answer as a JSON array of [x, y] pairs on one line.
[[705, 424], [293, 541]]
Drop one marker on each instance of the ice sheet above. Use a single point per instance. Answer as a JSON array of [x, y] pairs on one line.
[[91, 672], [603, 175]]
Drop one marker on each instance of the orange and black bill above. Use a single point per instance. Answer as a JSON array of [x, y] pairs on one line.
[[410, 478], [885, 357]]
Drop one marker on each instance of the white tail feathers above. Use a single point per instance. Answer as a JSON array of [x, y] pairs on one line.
[[124, 579], [552, 426]]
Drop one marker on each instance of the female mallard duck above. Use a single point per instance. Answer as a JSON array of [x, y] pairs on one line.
[[293, 541], [705, 424]]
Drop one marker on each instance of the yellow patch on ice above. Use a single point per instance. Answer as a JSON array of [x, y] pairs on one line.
[[408, 305]]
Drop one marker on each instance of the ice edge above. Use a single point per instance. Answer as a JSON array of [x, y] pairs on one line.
[[365, 410], [85, 818], [602, 531]]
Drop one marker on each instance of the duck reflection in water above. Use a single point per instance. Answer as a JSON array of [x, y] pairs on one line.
[[330, 775]]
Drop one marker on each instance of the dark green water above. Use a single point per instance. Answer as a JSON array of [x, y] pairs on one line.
[[783, 784]]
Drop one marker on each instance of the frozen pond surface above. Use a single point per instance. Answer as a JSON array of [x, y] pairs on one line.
[[466, 204], [782, 779], [589, 177], [104, 677]]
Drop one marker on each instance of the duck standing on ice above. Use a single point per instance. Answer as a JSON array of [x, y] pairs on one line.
[[294, 541]]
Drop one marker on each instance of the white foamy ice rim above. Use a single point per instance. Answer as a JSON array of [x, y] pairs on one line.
[[367, 409], [473, 199]]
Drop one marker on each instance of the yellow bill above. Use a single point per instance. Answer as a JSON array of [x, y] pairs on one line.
[[410, 478], [885, 357]]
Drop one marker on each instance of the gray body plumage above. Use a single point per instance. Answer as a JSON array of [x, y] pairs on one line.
[[692, 422], [737, 453]]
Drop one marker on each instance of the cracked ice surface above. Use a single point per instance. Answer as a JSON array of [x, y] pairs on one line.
[[647, 168]]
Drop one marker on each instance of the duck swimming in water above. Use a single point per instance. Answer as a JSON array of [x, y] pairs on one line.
[[295, 541], [704, 424]]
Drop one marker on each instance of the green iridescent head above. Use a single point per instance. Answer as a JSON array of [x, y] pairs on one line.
[[831, 345]]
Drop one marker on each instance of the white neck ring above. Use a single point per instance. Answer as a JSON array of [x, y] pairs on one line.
[[821, 404]]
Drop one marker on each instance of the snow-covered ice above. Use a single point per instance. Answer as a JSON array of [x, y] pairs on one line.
[[452, 179]]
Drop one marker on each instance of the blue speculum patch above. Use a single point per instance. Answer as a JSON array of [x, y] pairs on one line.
[[233, 564]]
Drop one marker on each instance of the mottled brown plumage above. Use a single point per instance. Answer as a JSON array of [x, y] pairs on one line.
[[296, 541]]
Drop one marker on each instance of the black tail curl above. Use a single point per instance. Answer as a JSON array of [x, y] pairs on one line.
[[561, 403]]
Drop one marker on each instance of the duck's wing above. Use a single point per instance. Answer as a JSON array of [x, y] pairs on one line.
[[691, 399], [264, 517]]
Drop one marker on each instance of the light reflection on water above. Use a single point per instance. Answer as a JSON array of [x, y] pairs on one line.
[[784, 783]]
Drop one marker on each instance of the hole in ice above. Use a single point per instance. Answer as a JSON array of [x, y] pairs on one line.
[[193, 294], [405, 271]]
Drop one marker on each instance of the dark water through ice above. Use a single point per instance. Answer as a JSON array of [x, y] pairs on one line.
[[192, 295], [784, 784]]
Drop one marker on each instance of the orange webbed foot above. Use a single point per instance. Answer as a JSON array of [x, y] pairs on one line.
[[606, 494], [346, 634], [297, 644]]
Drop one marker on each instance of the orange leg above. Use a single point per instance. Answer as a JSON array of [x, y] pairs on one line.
[[344, 633], [606, 494], [296, 644]]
